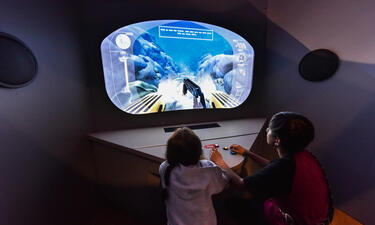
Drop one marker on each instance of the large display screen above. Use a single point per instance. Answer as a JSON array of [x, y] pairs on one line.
[[166, 65]]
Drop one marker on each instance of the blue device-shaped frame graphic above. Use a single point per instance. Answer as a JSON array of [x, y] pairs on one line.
[[166, 65]]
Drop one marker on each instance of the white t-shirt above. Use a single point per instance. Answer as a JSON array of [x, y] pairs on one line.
[[189, 192]]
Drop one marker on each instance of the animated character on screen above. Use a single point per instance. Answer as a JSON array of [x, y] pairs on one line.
[[195, 90], [147, 64]]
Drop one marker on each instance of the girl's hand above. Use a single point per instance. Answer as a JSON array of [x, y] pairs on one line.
[[217, 158], [239, 149]]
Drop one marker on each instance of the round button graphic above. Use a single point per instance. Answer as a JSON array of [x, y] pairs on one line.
[[123, 41]]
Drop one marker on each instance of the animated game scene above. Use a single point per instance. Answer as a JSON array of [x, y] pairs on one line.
[[167, 65]]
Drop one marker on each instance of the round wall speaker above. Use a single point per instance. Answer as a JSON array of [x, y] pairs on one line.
[[18, 65], [318, 65]]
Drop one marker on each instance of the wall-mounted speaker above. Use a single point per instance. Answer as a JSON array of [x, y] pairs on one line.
[[18, 65], [318, 65]]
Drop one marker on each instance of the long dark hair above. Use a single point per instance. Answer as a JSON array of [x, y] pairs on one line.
[[294, 130], [183, 147]]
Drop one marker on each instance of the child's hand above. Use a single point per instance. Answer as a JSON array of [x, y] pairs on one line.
[[238, 148], [217, 158]]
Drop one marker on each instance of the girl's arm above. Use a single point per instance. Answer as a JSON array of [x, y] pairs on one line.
[[233, 178], [242, 151]]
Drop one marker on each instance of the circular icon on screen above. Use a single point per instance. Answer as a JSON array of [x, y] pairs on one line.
[[123, 41], [242, 58]]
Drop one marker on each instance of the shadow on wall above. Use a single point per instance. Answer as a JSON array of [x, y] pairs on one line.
[[342, 110], [37, 188], [349, 153], [282, 86]]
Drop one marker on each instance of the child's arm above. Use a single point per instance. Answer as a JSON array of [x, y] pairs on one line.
[[242, 151], [232, 176]]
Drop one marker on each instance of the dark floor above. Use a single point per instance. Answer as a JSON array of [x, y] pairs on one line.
[[120, 217], [109, 213]]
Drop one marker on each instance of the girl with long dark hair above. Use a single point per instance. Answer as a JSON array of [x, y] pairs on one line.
[[293, 189]]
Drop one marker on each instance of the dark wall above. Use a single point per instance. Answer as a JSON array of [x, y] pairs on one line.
[[45, 166], [342, 107], [100, 18]]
